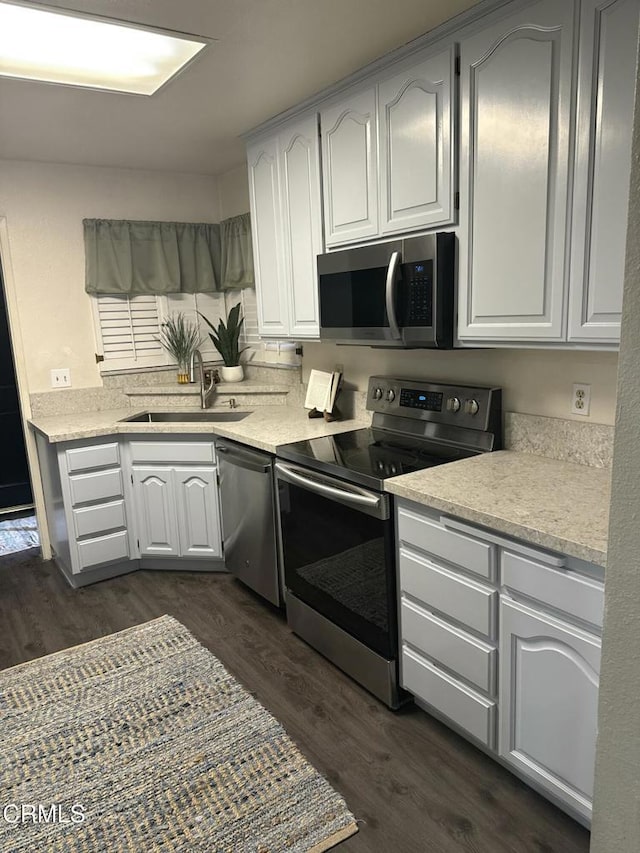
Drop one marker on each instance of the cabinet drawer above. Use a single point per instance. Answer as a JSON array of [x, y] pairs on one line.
[[90, 520], [96, 456], [173, 452], [459, 703], [99, 486], [429, 534], [104, 549], [559, 588], [472, 659], [464, 600]]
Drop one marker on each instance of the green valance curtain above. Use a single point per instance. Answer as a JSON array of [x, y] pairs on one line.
[[237, 253], [129, 258]]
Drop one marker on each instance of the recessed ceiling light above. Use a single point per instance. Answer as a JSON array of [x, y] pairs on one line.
[[55, 46]]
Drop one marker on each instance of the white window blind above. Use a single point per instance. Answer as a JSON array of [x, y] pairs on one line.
[[250, 314], [128, 329]]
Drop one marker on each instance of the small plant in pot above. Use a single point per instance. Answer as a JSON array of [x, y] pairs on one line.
[[180, 337], [226, 340]]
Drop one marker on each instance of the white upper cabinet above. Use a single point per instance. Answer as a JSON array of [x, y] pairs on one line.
[[266, 232], [415, 132], [286, 217], [606, 80], [302, 221], [516, 77], [350, 168]]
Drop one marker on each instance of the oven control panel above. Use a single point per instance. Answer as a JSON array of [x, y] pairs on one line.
[[469, 406]]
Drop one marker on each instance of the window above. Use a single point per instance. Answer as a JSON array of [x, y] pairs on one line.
[[127, 328]]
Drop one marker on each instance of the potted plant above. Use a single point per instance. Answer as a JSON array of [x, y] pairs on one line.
[[180, 337], [226, 340]]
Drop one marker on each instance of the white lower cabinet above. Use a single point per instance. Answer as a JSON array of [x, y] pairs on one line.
[[115, 505], [177, 511], [549, 675], [155, 501], [199, 529], [519, 679]]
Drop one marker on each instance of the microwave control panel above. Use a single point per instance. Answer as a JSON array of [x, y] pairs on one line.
[[418, 285]]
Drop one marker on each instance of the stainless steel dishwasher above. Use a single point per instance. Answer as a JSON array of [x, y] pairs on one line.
[[247, 498]]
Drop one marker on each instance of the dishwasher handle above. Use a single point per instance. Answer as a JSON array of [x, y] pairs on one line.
[[258, 462]]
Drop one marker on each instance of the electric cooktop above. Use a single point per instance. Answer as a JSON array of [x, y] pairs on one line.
[[416, 424]]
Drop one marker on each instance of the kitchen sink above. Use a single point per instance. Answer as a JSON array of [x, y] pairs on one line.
[[201, 416]]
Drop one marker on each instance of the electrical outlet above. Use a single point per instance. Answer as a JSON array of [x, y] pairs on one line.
[[581, 400], [61, 378]]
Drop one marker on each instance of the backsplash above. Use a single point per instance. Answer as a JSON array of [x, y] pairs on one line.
[[264, 386], [567, 440]]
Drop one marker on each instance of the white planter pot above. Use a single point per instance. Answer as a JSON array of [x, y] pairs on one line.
[[232, 374]]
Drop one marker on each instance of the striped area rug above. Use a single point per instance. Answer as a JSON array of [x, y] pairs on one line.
[[142, 741]]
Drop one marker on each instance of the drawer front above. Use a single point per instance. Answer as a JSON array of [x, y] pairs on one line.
[[90, 520], [430, 535], [472, 712], [562, 589], [173, 452], [99, 486], [104, 549], [471, 659], [96, 456], [464, 600]]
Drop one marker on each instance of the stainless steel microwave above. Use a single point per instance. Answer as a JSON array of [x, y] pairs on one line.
[[395, 294]]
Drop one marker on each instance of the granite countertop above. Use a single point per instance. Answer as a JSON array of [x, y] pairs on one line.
[[266, 427], [561, 506]]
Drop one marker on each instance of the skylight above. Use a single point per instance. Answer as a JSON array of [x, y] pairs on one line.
[[62, 47]]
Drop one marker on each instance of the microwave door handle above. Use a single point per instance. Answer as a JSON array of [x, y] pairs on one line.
[[390, 295]]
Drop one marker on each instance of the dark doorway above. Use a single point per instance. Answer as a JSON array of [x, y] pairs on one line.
[[15, 486]]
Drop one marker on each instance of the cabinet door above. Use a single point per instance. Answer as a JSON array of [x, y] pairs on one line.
[[515, 123], [156, 511], [266, 228], [549, 703], [302, 221], [350, 167], [415, 144], [606, 81], [198, 512]]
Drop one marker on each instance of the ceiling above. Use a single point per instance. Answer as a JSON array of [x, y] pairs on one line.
[[269, 56]]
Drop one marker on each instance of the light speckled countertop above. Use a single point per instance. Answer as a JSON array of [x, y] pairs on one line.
[[267, 427], [557, 505], [561, 506]]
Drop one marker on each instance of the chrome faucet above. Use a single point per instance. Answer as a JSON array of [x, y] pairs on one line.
[[205, 393]]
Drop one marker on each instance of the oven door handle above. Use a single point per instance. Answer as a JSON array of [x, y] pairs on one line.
[[390, 295], [356, 497]]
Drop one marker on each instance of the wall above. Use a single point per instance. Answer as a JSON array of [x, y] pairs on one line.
[[535, 382], [616, 818], [233, 188], [44, 204]]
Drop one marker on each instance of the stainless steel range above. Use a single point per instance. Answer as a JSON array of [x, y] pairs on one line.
[[336, 522]]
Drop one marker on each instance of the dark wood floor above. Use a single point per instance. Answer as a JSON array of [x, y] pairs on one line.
[[413, 784]]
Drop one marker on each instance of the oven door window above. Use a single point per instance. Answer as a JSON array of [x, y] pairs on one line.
[[340, 562]]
